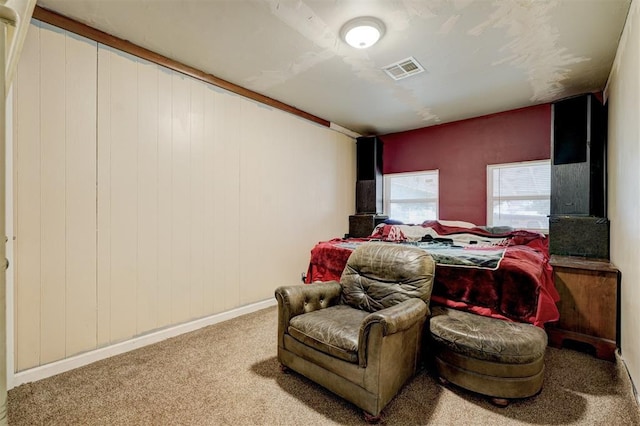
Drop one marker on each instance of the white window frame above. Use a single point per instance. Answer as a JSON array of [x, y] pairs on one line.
[[492, 167], [387, 190]]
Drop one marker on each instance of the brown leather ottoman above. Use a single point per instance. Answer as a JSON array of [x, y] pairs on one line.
[[489, 356]]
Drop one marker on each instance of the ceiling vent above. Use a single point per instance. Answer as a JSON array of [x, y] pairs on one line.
[[404, 68]]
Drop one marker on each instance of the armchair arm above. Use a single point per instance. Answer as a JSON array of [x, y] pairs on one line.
[[300, 299], [394, 319]]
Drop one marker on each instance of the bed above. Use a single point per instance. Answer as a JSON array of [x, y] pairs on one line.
[[504, 274]]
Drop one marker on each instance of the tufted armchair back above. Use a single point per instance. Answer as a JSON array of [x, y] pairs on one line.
[[380, 275]]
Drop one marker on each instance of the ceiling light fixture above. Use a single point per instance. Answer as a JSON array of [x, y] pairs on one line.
[[362, 32]]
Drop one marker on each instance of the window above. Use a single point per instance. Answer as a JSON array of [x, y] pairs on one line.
[[518, 195], [411, 197]]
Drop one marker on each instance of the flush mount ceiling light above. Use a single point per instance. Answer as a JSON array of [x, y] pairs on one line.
[[362, 32]]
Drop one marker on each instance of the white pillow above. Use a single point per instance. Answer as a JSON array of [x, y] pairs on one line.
[[457, 223]]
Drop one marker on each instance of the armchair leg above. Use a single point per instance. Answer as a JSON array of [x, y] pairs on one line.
[[500, 402], [371, 419]]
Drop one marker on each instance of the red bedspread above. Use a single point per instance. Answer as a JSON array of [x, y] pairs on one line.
[[520, 287]]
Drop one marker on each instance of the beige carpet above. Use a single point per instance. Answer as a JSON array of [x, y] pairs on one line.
[[228, 374]]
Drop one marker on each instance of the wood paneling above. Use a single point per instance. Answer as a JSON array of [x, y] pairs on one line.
[[210, 207], [27, 203], [55, 197], [52, 194], [146, 198], [257, 196], [165, 259], [80, 209], [103, 203], [123, 176], [228, 123], [180, 155], [147, 190], [196, 199]]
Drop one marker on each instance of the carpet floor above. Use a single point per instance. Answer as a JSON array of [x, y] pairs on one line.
[[228, 374]]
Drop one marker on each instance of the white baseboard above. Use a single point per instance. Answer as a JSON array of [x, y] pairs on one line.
[[48, 370]]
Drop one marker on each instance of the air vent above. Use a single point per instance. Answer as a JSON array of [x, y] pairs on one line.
[[404, 68]]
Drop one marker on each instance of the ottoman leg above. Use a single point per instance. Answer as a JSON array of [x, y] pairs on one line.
[[443, 381], [500, 402]]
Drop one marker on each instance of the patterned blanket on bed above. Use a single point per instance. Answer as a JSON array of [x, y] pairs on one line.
[[449, 254], [503, 276]]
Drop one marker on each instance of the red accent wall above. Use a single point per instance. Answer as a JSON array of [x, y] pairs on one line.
[[462, 150]]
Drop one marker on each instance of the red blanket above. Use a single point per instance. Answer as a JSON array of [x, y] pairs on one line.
[[519, 288]]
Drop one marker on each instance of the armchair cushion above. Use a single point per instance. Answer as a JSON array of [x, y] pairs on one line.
[[333, 330], [342, 331], [384, 275]]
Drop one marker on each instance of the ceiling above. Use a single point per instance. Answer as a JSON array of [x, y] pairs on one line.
[[480, 56]]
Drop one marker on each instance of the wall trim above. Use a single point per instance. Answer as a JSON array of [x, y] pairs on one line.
[[344, 130], [79, 28], [57, 367]]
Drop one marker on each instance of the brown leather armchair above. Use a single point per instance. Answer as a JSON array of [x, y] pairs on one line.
[[359, 338]]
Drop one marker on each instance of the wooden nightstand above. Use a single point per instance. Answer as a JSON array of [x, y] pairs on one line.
[[588, 304]]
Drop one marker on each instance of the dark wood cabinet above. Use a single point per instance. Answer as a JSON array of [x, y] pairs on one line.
[[583, 236], [589, 305], [362, 225], [577, 224], [578, 157], [369, 175]]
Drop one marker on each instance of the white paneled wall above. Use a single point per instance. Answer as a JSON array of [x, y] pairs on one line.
[[145, 198], [55, 205]]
